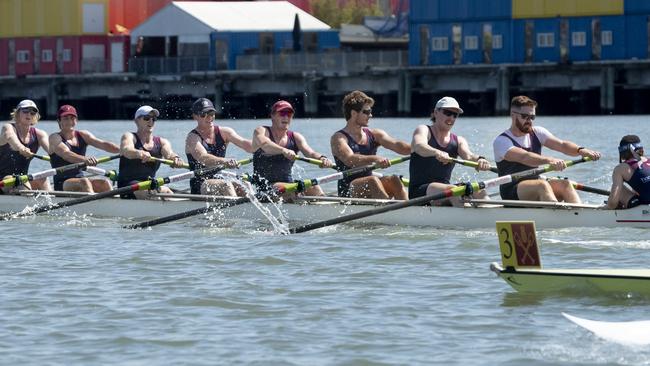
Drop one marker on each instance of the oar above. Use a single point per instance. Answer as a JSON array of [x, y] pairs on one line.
[[187, 166], [582, 187], [300, 186], [10, 182], [290, 187], [450, 192], [128, 189], [310, 160], [472, 164], [111, 174], [42, 157]]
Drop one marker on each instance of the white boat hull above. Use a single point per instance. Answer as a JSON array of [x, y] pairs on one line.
[[441, 217]]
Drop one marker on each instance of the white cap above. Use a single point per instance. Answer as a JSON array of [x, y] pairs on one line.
[[27, 103], [447, 103], [146, 110]]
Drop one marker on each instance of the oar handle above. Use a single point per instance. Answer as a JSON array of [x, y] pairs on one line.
[[472, 164], [309, 160], [41, 157]]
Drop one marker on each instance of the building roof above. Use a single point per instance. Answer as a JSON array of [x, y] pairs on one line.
[[193, 21]]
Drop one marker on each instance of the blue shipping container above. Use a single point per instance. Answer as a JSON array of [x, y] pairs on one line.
[[459, 10], [544, 40], [226, 46], [636, 7], [580, 39], [615, 50], [636, 46]]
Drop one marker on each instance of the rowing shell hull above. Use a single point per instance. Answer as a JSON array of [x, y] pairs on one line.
[[440, 217], [576, 280]]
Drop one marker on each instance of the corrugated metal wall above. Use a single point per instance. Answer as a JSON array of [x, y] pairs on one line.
[[33, 18], [585, 30]]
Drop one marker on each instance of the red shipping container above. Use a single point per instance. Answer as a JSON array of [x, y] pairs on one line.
[[4, 57], [47, 59], [24, 56]]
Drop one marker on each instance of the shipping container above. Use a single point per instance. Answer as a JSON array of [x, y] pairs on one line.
[[226, 46], [125, 15], [34, 18], [636, 46], [565, 8], [637, 7], [64, 55], [4, 57], [423, 11]]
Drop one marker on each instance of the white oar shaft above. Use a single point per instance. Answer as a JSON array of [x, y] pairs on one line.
[[180, 177], [44, 174], [95, 170]]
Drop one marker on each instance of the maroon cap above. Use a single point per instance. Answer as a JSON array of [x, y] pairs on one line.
[[282, 105], [66, 110]]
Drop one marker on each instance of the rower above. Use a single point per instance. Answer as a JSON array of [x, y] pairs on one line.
[[433, 148], [634, 169], [276, 148], [19, 141], [520, 148], [69, 146], [137, 149], [356, 145], [206, 145]]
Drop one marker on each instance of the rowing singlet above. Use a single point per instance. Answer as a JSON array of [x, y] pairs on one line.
[[425, 170], [370, 148], [11, 162], [509, 191], [640, 180], [134, 169], [218, 149], [57, 161], [269, 169]]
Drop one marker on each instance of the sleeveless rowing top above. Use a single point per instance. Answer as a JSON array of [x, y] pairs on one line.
[[269, 169], [134, 169], [508, 167], [57, 161], [425, 170], [217, 148], [370, 148], [640, 180], [11, 162]]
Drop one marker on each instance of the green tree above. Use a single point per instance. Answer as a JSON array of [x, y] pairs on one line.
[[350, 12]]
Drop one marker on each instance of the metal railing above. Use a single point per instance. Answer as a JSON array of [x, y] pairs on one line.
[[333, 61], [92, 65], [168, 65], [325, 61]]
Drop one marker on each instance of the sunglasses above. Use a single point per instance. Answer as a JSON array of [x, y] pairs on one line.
[[285, 113], [204, 114], [31, 111], [526, 116], [630, 147], [149, 118], [367, 112], [449, 113]]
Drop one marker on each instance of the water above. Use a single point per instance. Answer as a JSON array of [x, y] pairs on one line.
[[81, 290]]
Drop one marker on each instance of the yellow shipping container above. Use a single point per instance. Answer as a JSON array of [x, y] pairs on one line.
[[565, 8], [36, 18]]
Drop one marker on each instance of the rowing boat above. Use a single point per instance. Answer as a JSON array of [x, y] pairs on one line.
[[478, 214], [521, 268]]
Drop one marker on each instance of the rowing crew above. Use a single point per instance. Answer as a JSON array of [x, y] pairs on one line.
[[433, 150]]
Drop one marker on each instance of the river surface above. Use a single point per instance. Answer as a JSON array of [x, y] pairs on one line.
[[82, 290]]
